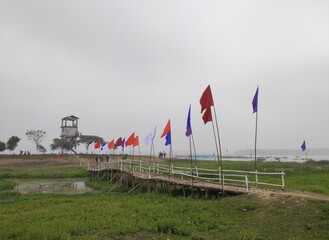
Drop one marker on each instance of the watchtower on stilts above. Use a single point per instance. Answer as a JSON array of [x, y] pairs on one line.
[[69, 132]]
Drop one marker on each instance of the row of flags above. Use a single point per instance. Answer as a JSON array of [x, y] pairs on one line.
[[206, 102], [120, 142]]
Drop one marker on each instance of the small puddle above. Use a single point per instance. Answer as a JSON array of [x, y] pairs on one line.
[[80, 186], [54, 186]]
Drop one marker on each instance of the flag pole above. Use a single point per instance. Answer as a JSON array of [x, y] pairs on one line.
[[255, 153], [190, 143], [255, 109], [213, 129], [308, 174], [220, 151], [133, 157], [196, 160], [151, 156], [151, 152], [170, 154]]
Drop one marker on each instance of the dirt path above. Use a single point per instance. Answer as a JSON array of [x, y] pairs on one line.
[[269, 194]]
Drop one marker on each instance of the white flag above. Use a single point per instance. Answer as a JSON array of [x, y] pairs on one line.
[[104, 146], [155, 130], [148, 139]]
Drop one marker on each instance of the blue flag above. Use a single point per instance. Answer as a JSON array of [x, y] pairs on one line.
[[123, 144], [103, 145], [168, 138], [188, 124], [255, 102], [90, 145], [303, 147]]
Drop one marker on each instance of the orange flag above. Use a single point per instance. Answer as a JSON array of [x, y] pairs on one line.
[[130, 140], [97, 145], [136, 142], [167, 129], [111, 144]]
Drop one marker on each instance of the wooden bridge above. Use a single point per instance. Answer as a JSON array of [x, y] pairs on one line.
[[155, 176]]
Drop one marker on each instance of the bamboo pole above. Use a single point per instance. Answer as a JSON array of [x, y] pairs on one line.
[[195, 156], [191, 165], [218, 148], [255, 153], [151, 152], [308, 174]]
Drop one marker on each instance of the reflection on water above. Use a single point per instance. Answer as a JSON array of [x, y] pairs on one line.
[[79, 186], [58, 186]]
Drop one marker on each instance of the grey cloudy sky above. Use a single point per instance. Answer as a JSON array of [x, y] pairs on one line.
[[124, 66]]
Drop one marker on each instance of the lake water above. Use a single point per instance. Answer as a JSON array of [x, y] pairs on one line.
[[287, 158]]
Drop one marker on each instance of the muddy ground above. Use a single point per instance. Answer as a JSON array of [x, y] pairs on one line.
[[55, 186]]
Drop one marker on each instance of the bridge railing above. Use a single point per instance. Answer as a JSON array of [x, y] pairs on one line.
[[232, 177]]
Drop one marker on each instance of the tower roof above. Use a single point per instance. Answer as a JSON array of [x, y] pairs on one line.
[[72, 118]]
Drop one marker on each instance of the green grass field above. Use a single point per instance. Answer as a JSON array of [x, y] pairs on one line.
[[151, 216], [118, 215]]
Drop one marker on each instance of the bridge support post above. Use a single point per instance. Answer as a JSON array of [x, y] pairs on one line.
[[127, 181], [282, 177], [256, 177], [247, 183], [148, 186], [156, 186]]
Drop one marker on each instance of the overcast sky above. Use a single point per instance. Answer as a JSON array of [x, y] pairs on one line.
[[127, 66]]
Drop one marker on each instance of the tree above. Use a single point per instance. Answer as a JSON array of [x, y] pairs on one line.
[[2, 146], [61, 144], [12, 143], [42, 149], [86, 139], [36, 136]]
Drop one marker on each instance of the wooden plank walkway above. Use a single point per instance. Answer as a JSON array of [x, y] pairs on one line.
[[132, 173], [188, 183]]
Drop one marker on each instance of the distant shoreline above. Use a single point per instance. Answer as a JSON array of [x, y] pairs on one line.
[[268, 158]]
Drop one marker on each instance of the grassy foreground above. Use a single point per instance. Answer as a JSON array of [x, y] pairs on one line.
[[117, 215], [151, 216]]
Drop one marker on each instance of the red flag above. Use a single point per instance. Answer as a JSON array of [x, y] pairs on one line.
[[130, 140], [167, 129], [111, 144], [206, 100], [118, 142], [97, 144], [207, 117], [136, 142]]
